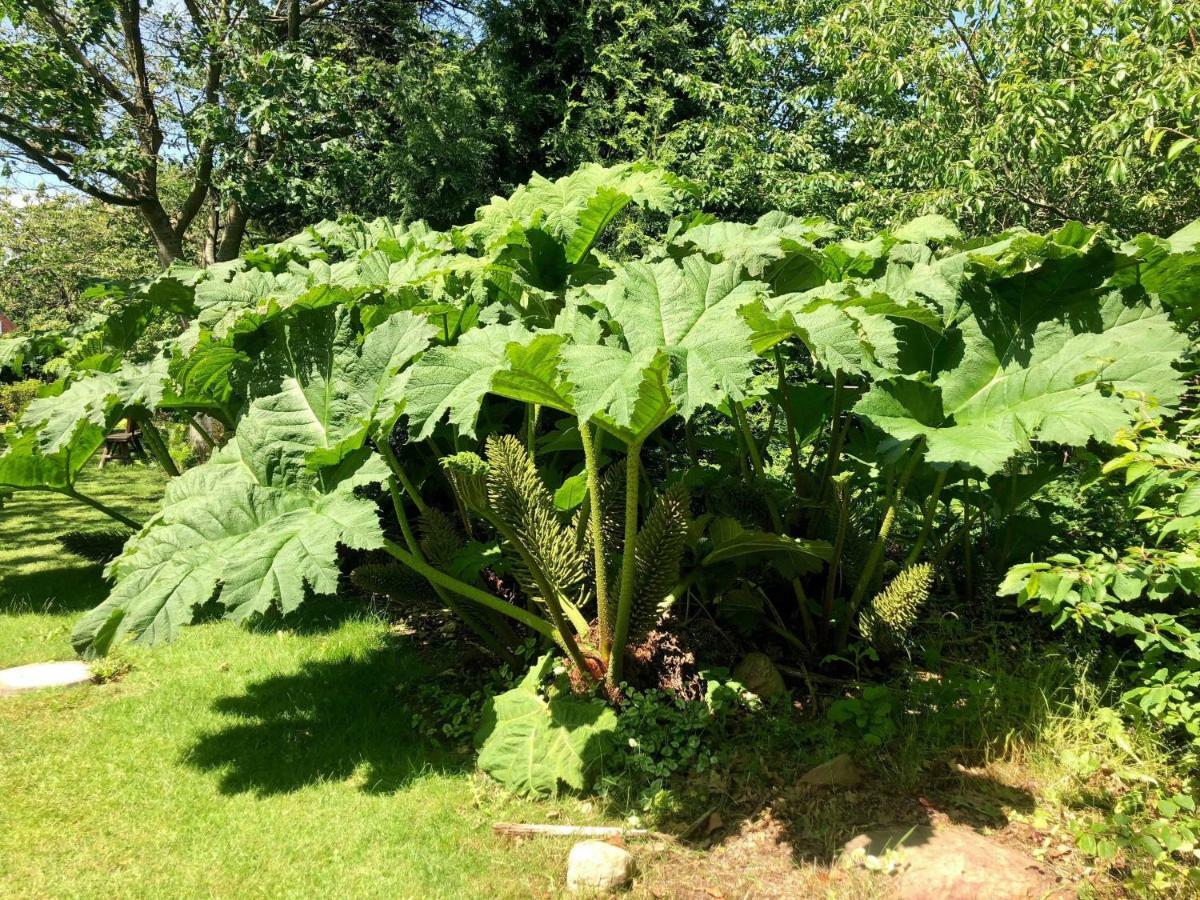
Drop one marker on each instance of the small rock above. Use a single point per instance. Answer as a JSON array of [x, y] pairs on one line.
[[595, 866], [838, 772], [952, 863], [759, 676], [43, 675]]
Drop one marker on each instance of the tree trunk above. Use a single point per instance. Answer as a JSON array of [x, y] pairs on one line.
[[232, 233], [166, 241], [213, 233]]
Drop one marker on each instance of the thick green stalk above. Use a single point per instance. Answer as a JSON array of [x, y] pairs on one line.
[[414, 547], [97, 505], [790, 422], [837, 437], [967, 563], [470, 592], [628, 565], [739, 416], [550, 595], [385, 450], [399, 474], [202, 431], [532, 412], [158, 447], [603, 610], [927, 522], [835, 563], [876, 553]]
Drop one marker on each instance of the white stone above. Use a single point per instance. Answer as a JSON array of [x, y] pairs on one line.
[[43, 675], [595, 866]]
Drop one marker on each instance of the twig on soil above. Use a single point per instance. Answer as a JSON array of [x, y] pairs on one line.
[[515, 829]]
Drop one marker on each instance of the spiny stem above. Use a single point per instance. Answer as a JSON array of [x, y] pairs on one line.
[[927, 522], [628, 565], [414, 547], [107, 510], [837, 436], [739, 416], [967, 539], [389, 457], [158, 447], [603, 611], [789, 420], [835, 563], [469, 592], [202, 431], [564, 637], [876, 552]]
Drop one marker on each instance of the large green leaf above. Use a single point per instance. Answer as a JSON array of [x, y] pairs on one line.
[[254, 534], [505, 359], [777, 249], [534, 746], [573, 211], [317, 387], [1051, 358], [1169, 268], [25, 466], [625, 392], [687, 312], [95, 401], [846, 327]]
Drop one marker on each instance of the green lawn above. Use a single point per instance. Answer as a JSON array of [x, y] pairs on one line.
[[232, 762]]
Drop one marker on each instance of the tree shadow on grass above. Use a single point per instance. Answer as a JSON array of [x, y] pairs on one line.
[[330, 721], [66, 589]]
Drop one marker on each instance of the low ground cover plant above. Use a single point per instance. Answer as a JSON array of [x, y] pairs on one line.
[[593, 454]]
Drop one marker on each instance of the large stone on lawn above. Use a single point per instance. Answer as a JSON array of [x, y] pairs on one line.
[[951, 863], [43, 675], [838, 772], [757, 674], [596, 866]]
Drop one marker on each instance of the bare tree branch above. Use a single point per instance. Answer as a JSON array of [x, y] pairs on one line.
[[40, 156]]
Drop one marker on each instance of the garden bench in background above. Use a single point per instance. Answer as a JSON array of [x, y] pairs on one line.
[[122, 446]]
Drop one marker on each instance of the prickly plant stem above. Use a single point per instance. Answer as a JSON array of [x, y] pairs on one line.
[[389, 457], [565, 637], [628, 565], [927, 522], [532, 412], [202, 431], [967, 524], [101, 507], [469, 592], [603, 610], [414, 547], [837, 437], [876, 552], [835, 562], [790, 422], [158, 447], [739, 416]]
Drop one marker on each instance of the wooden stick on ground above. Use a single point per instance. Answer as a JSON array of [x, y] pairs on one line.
[[514, 829]]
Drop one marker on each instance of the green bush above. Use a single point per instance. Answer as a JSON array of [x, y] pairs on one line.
[[15, 396]]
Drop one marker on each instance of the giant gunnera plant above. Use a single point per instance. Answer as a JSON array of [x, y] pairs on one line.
[[513, 424]]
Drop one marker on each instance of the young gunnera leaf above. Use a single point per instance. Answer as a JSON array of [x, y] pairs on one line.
[[535, 746]]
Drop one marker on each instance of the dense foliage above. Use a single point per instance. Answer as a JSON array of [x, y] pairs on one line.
[[738, 412]]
